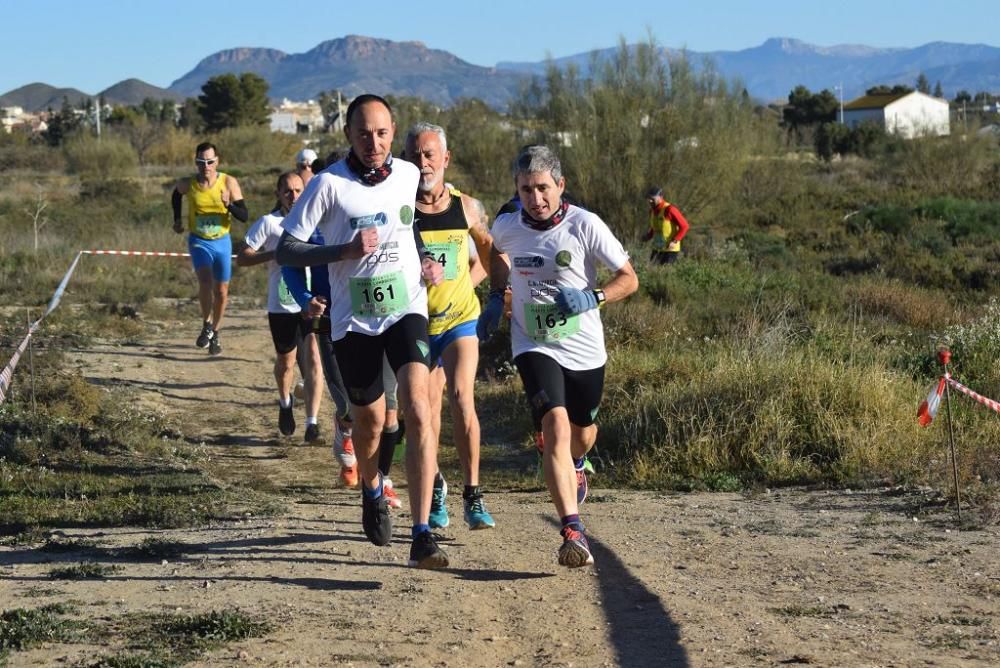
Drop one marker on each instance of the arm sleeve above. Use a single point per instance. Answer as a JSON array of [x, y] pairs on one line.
[[421, 246], [239, 211], [678, 218], [175, 203], [295, 281], [294, 253]]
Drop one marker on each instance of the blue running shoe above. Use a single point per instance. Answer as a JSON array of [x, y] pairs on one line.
[[476, 515], [439, 512], [581, 484], [575, 550]]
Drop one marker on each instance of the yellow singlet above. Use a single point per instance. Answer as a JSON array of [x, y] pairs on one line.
[[207, 216], [446, 234]]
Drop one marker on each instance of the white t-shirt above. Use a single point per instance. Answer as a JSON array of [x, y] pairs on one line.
[[263, 236], [374, 292], [541, 262]]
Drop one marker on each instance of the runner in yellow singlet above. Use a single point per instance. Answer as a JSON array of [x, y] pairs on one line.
[[446, 218], [214, 199]]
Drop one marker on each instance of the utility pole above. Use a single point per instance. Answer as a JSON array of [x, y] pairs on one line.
[[840, 91]]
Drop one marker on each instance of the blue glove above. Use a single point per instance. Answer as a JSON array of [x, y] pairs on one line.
[[489, 319], [573, 301]]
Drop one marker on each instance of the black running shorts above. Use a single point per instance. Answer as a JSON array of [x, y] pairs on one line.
[[286, 331], [549, 385], [360, 356]]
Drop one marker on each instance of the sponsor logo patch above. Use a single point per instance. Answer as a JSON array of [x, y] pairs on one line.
[[528, 261], [375, 220], [406, 214]]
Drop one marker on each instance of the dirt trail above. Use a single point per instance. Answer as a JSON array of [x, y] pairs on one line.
[[844, 578]]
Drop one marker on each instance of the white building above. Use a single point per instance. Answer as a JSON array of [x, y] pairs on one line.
[[297, 117], [909, 115]]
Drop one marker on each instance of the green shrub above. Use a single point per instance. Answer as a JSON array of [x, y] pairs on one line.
[[103, 157]]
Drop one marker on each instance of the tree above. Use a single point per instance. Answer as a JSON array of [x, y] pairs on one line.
[[227, 101], [923, 85], [962, 96], [62, 124], [882, 89], [806, 109], [938, 91]]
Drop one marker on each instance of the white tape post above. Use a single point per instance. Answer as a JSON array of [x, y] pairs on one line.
[[7, 375]]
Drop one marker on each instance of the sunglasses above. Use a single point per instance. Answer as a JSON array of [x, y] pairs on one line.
[[206, 161]]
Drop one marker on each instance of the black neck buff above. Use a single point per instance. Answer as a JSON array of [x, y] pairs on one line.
[[370, 176], [552, 221]]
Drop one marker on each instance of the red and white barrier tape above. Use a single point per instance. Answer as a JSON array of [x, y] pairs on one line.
[[929, 407], [985, 401], [135, 253]]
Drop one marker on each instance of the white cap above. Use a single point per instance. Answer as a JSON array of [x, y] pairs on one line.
[[305, 156]]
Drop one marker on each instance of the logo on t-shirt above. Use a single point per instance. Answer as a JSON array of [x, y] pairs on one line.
[[528, 261], [374, 220], [406, 214], [563, 258]]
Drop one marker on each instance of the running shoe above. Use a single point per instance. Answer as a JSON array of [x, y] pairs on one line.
[[286, 418], [575, 550], [205, 336], [312, 433], [476, 515], [215, 345], [349, 476], [588, 466], [581, 484], [390, 494], [439, 511], [343, 448], [375, 519], [425, 553]]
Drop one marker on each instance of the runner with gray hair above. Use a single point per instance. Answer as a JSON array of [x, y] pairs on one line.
[[445, 219], [557, 338]]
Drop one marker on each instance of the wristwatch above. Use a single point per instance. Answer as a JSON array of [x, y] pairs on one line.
[[601, 299]]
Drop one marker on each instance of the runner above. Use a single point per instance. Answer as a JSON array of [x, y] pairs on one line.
[[283, 313], [304, 160], [214, 199], [314, 298], [667, 227], [363, 205], [556, 332], [446, 219]]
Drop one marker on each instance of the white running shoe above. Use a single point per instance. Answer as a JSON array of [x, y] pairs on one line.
[[343, 448]]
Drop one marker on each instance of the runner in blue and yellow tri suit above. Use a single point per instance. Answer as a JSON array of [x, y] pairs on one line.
[[446, 219], [214, 199]]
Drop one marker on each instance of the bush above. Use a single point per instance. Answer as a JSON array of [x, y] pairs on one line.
[[100, 158]]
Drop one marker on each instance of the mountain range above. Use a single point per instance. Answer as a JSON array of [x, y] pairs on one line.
[[356, 64]]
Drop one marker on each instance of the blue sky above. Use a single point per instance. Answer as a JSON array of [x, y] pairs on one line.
[[92, 44]]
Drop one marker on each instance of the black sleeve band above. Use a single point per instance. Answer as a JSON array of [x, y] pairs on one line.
[[421, 246], [175, 203], [294, 253], [239, 210]]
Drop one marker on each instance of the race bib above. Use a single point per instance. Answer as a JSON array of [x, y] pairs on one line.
[[547, 324], [447, 256], [208, 225], [378, 296], [284, 296]]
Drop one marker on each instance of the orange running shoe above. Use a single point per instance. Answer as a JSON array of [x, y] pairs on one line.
[[349, 476], [390, 494]]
